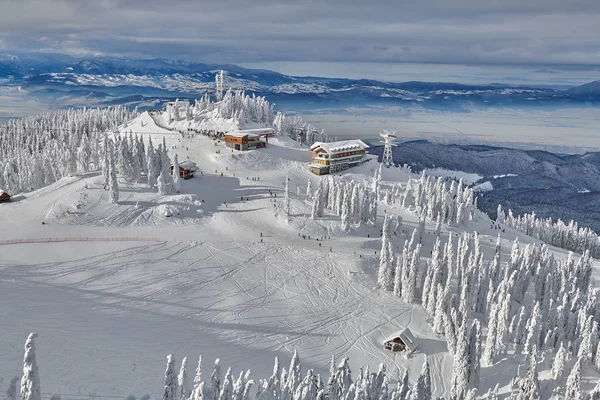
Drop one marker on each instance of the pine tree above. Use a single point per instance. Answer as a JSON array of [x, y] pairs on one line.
[[309, 189], [162, 184], [170, 391], [461, 367], [215, 379], [30, 382], [113, 183], [286, 200], [198, 390], [385, 274], [11, 392], [227, 389], [105, 162], [529, 386], [558, 366], [176, 176], [422, 390], [534, 329], [182, 381], [403, 387], [474, 353], [573, 388]]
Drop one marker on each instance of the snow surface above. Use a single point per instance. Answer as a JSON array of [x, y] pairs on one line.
[[202, 282]]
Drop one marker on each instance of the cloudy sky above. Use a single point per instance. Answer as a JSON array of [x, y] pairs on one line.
[[557, 34]]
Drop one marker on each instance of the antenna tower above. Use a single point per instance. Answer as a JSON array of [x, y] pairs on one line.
[[219, 80], [388, 140]]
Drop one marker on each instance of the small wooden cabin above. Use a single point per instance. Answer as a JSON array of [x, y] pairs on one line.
[[4, 197], [403, 340], [187, 169]]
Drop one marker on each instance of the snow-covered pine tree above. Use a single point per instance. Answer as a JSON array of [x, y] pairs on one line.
[[182, 381], [422, 390], [403, 387], [170, 390], [30, 382], [176, 176], [386, 271], [558, 366], [215, 379], [286, 200], [162, 184], [113, 183], [573, 388], [198, 390], [474, 353], [227, 388], [529, 386]]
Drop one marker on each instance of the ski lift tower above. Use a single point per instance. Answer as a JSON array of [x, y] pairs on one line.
[[219, 81], [388, 140]]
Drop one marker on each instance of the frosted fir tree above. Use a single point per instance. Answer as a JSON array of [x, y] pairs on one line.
[[422, 390], [176, 176], [529, 386], [162, 184], [385, 274], [316, 207], [198, 390], [294, 372], [398, 276], [573, 388], [151, 165], [309, 189], [286, 200], [558, 366], [182, 381], [534, 329], [346, 212], [227, 388], [170, 390], [30, 382], [105, 162], [113, 183], [215, 379], [461, 368], [403, 387]]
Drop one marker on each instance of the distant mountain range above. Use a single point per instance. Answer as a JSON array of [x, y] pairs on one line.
[[61, 80]]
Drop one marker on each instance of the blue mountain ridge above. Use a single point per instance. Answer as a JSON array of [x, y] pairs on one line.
[[54, 77]]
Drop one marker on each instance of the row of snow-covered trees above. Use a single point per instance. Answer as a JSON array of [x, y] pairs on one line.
[[290, 384], [128, 157], [244, 108], [39, 150], [568, 236], [529, 302], [428, 198]]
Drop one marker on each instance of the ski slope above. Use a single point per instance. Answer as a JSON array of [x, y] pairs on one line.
[[220, 276]]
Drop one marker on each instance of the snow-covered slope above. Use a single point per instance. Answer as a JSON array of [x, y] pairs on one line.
[[225, 275]]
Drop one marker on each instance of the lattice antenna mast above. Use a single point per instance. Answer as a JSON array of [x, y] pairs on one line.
[[219, 80], [388, 140]]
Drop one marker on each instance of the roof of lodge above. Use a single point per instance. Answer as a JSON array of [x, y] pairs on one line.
[[337, 147], [407, 338]]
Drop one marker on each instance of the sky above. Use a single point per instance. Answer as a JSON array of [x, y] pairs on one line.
[[362, 37]]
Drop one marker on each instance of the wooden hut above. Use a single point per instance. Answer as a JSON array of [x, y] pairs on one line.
[[403, 340], [4, 197]]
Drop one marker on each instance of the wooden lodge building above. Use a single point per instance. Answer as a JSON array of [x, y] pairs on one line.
[[4, 197], [328, 158], [403, 340], [187, 169], [248, 139]]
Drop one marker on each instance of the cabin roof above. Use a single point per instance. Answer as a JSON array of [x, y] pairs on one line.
[[337, 147], [187, 164], [407, 338]]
